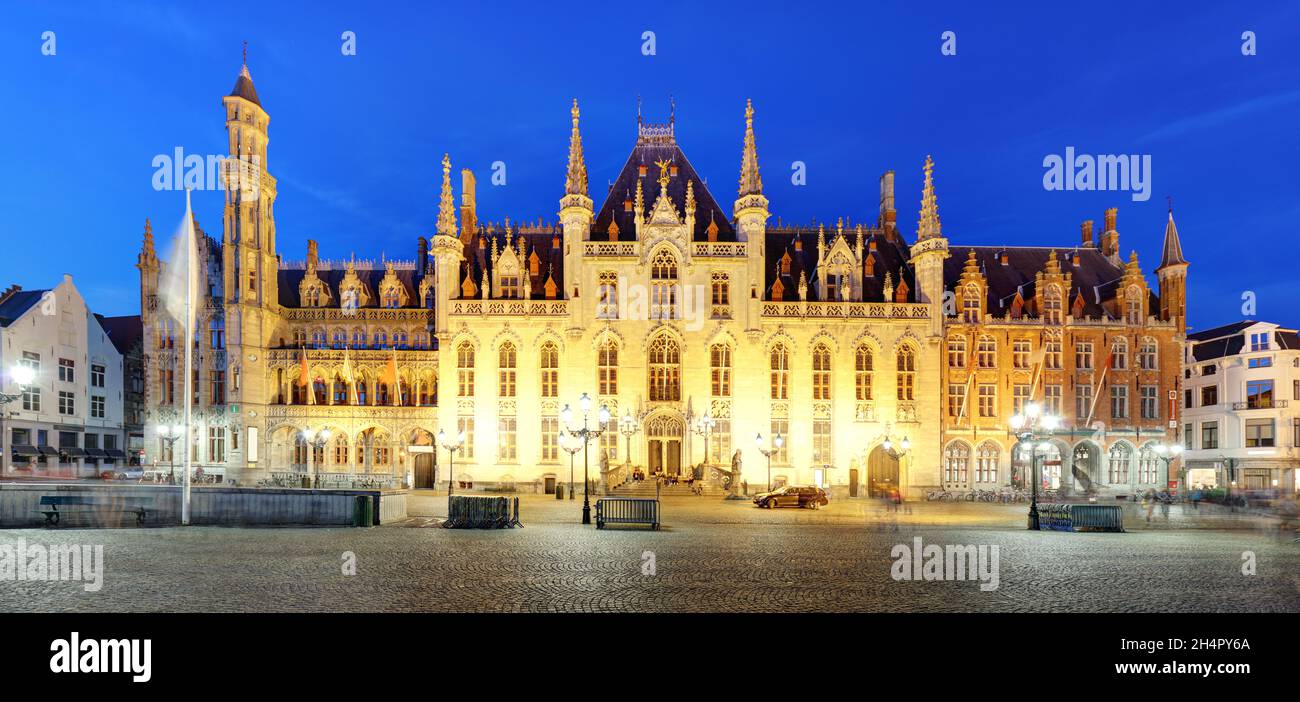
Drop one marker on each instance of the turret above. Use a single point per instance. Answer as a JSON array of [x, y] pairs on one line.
[[576, 213], [929, 252], [1172, 275], [751, 216], [448, 251]]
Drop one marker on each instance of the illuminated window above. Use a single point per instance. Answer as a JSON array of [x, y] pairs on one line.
[[465, 370], [779, 363], [506, 369], [720, 369], [821, 373], [550, 369], [665, 370], [863, 366]]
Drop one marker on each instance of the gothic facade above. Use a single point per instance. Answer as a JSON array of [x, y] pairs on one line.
[[705, 332]]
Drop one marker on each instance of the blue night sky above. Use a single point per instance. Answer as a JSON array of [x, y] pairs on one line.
[[356, 140]]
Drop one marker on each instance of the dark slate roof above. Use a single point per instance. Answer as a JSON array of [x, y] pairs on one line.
[[1218, 348], [541, 239], [244, 87], [1097, 276], [1225, 330], [17, 304], [891, 255], [1288, 340], [291, 278], [647, 152], [125, 332]]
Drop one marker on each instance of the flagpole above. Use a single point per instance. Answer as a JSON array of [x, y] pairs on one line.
[[189, 349]]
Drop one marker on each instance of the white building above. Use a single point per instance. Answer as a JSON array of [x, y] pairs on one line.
[[1241, 406], [67, 421]]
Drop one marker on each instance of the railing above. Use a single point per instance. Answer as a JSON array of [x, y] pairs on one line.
[[534, 308], [719, 248], [848, 310], [609, 248], [1259, 404], [616, 476]]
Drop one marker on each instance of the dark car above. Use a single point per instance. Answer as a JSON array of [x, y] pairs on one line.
[[793, 496]]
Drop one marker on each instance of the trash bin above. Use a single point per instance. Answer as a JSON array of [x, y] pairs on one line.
[[559, 491], [363, 515]]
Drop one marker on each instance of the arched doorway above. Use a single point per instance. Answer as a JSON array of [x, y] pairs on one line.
[[1085, 466], [424, 459], [664, 435], [882, 472], [1049, 465]]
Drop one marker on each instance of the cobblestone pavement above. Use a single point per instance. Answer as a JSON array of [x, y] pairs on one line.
[[732, 558]]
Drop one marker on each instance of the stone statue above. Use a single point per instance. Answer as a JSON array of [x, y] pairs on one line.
[[604, 461], [735, 464]]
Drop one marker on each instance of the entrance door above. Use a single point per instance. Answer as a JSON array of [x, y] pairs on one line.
[[664, 434], [882, 472], [655, 456], [424, 471], [673, 457], [853, 482]]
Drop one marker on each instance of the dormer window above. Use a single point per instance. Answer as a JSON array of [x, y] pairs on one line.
[[1259, 342], [391, 299], [1052, 305], [970, 304]]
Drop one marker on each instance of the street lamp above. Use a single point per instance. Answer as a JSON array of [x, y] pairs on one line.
[[452, 447], [1035, 428], [570, 447], [1167, 453], [628, 426], [777, 443], [585, 434], [21, 375], [170, 433], [704, 427], [315, 441]]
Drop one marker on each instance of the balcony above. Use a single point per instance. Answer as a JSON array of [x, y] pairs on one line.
[[1259, 404]]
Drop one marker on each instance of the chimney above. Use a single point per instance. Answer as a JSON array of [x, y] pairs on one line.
[[422, 256], [1110, 238], [1004, 259], [468, 212], [1086, 230], [888, 217], [312, 257]]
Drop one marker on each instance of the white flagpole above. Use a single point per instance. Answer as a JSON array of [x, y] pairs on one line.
[[189, 349]]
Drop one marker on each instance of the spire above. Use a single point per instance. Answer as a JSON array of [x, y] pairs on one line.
[[751, 183], [446, 208], [244, 83], [928, 227], [1173, 250], [576, 182], [148, 248]]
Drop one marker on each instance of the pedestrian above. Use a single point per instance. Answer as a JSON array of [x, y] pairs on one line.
[[1165, 499], [1149, 501]]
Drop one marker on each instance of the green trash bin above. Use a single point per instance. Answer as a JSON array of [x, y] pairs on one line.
[[559, 491], [363, 515]]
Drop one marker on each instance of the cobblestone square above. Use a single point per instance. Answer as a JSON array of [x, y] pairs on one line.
[[709, 557]]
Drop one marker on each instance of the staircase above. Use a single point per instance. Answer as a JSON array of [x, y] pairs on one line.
[[646, 489]]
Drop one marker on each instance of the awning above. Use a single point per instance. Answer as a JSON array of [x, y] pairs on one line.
[[96, 453], [25, 450], [48, 450], [116, 454], [72, 451]]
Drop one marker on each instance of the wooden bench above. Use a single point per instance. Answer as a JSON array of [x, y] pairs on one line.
[[98, 505], [627, 510]]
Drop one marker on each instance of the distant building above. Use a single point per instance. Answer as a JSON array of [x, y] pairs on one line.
[[127, 335], [68, 421], [1241, 406]]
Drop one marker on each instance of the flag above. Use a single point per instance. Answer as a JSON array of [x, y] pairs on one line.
[[965, 400], [347, 377], [180, 280], [303, 377]]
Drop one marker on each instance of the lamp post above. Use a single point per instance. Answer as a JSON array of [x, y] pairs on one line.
[[316, 441], [1035, 428], [570, 447], [585, 434], [452, 447], [628, 427], [170, 433], [22, 376], [777, 443], [1167, 453], [704, 427]]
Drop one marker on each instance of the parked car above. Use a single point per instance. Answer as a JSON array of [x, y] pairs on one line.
[[126, 473], [793, 496]]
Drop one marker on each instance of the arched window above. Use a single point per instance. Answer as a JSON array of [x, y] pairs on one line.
[[381, 339], [1052, 305], [779, 362], [318, 339], [1148, 466], [821, 363], [906, 367], [550, 369], [340, 338], [217, 332], [607, 296], [506, 357], [665, 370], [465, 369], [720, 370], [607, 369], [1117, 474], [986, 352], [340, 449], [358, 338], [340, 390], [863, 367], [663, 286], [313, 296], [391, 299], [1147, 357], [986, 465], [957, 352], [956, 463]]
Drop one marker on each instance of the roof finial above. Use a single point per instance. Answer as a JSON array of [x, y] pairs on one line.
[[638, 109], [1170, 199], [446, 207], [928, 226], [245, 52], [576, 181], [672, 109], [751, 183]]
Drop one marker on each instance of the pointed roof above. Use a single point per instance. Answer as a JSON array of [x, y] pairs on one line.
[[446, 207], [576, 181], [751, 183], [928, 227], [1173, 249], [244, 84]]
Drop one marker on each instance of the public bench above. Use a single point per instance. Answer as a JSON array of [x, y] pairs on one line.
[[627, 510], [1072, 517], [50, 504]]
